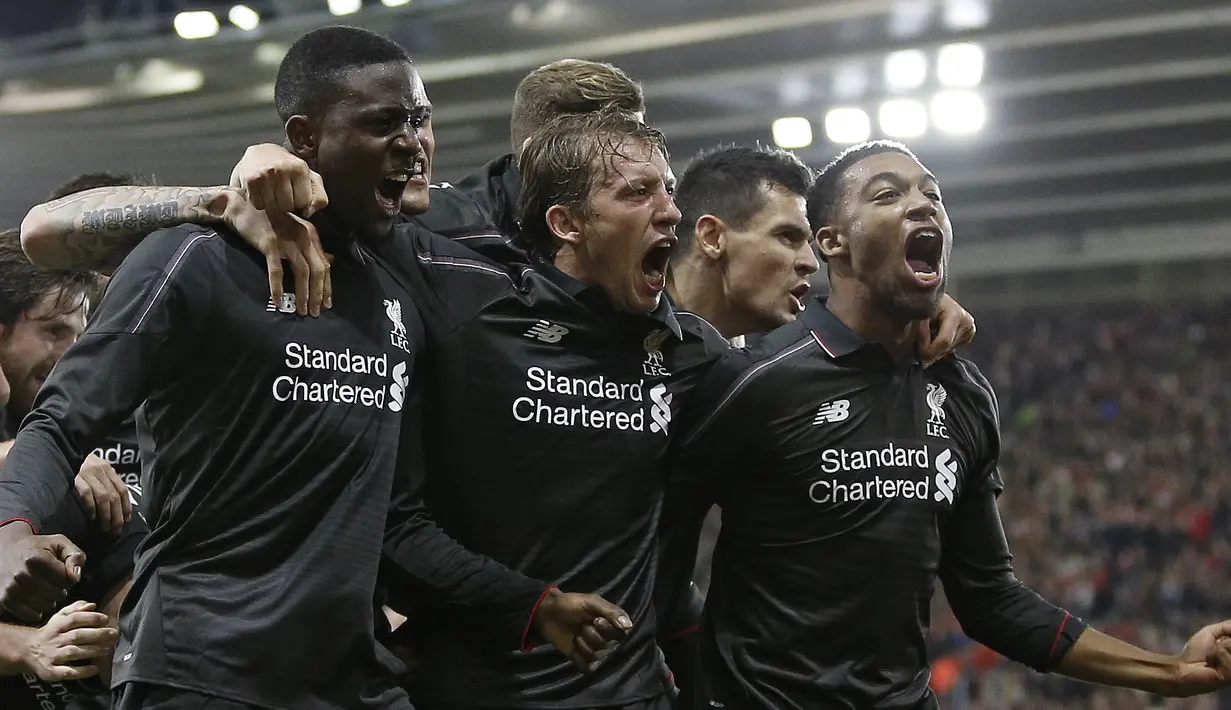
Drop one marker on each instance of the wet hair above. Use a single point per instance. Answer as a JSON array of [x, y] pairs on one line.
[[308, 78], [570, 86], [566, 159], [729, 183], [23, 285]]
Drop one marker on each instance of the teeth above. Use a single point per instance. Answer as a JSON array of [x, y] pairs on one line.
[[399, 177], [418, 169]]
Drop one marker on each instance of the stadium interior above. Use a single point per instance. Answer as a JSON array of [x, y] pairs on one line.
[[1084, 151]]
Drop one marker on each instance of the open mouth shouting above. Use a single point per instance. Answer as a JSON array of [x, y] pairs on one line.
[[389, 190], [654, 263], [924, 250]]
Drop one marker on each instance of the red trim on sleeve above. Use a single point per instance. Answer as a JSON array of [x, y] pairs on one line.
[[525, 635], [1056, 643], [686, 632], [670, 679], [27, 522]]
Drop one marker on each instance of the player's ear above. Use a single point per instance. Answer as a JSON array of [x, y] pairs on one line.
[[832, 243], [563, 224], [303, 137], [710, 235]]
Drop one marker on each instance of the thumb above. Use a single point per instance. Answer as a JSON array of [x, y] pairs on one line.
[[72, 556], [319, 199], [924, 339], [599, 607]]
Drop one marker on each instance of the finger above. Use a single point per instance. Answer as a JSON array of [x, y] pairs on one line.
[[62, 673], [300, 272], [320, 200], [1222, 661], [328, 289], [69, 554], [84, 621], [126, 504], [946, 335], [301, 192], [584, 651], [73, 653], [608, 632], [86, 494], [105, 503], [269, 195], [593, 637], [617, 617], [273, 264], [43, 578], [926, 344], [966, 334], [285, 192], [90, 638], [316, 272]]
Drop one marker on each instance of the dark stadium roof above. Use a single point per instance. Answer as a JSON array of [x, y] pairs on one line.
[[1099, 112]]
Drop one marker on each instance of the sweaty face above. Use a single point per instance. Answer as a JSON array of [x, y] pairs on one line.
[[898, 233], [768, 263], [34, 344], [625, 243], [375, 147]]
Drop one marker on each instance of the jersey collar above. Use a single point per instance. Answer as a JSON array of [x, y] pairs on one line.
[[831, 334], [593, 296]]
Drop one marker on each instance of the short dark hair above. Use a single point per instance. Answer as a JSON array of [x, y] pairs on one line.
[[728, 182], [565, 160], [23, 285], [89, 181], [826, 192], [307, 80], [570, 86]]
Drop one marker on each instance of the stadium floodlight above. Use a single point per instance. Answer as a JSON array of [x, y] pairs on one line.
[[847, 125], [344, 7], [394, 3], [903, 118], [244, 17], [196, 24], [792, 132], [907, 69], [958, 112], [960, 65]]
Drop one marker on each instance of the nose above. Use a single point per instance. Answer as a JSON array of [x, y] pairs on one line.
[[921, 207], [668, 214], [407, 138], [806, 262]]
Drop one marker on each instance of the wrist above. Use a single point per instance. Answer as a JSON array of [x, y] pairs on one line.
[[217, 205]]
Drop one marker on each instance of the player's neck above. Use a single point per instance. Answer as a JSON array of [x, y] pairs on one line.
[[857, 307], [693, 288]]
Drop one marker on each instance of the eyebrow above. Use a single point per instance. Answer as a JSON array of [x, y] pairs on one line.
[[895, 178]]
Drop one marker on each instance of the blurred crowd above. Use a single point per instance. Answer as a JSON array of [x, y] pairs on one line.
[[1117, 502]]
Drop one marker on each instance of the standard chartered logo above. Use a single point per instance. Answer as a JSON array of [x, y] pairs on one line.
[[897, 474], [660, 408], [946, 476], [606, 403], [297, 387]]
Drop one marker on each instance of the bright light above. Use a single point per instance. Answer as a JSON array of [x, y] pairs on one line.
[[903, 118], [850, 81], [394, 3], [958, 112], [792, 132], [344, 7], [244, 17], [269, 54], [847, 125], [960, 65], [966, 14], [906, 69], [196, 24]]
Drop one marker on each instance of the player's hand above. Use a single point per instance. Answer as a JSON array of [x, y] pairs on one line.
[[956, 328], [583, 627], [36, 571], [284, 237], [104, 494], [1205, 663], [277, 181], [73, 634]]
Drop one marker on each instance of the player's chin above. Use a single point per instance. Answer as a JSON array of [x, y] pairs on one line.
[[416, 200]]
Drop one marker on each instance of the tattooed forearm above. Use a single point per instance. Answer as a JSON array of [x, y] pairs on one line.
[[97, 228]]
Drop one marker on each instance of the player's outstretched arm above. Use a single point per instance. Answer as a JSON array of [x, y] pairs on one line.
[[96, 229], [1204, 665]]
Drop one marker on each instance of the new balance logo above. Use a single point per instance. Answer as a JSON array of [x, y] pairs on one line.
[[546, 332], [833, 412], [287, 305], [946, 477]]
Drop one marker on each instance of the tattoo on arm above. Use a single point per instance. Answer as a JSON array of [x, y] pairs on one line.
[[97, 228]]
